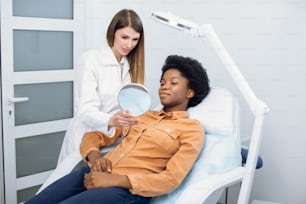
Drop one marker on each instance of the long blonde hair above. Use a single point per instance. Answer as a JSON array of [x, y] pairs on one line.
[[124, 18]]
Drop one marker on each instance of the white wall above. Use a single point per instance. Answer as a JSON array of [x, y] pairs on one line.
[[266, 39]]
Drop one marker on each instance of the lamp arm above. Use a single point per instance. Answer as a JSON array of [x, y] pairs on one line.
[[255, 104]]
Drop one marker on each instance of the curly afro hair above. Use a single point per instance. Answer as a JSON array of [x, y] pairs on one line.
[[192, 70]]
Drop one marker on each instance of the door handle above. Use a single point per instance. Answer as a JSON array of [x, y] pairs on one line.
[[18, 99]]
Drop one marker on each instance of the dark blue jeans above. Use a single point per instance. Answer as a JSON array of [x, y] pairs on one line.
[[70, 190]]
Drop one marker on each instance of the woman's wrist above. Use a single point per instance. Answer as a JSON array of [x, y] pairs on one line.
[[92, 156], [111, 122], [121, 181]]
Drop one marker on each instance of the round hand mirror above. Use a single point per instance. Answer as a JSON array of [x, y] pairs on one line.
[[134, 98]]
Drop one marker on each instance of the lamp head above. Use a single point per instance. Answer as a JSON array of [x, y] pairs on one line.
[[176, 22]]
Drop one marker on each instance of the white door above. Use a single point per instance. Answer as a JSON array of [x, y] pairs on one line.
[[40, 41]]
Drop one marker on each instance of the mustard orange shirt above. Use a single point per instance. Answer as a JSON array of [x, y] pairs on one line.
[[156, 155]]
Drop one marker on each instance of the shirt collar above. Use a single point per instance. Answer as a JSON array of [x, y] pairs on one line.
[[174, 114]]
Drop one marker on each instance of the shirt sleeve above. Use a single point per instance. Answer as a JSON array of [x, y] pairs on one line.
[[192, 140], [89, 103], [94, 141]]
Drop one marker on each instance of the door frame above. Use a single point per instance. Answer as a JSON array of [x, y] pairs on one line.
[[11, 184], [1, 129]]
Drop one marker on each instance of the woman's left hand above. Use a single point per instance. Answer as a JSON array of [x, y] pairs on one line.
[[94, 180]]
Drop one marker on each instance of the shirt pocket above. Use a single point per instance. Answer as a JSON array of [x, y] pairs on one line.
[[167, 139]]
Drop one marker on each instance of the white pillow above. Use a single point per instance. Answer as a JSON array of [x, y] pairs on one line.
[[218, 112]]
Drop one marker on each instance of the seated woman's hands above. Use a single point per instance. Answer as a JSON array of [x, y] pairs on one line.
[[97, 163], [123, 119], [100, 175]]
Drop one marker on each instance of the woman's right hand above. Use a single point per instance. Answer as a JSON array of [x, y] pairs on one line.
[[101, 165], [97, 163], [123, 119]]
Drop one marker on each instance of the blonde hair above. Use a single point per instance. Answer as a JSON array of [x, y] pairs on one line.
[[125, 18]]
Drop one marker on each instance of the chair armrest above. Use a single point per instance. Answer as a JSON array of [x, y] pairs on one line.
[[201, 191]]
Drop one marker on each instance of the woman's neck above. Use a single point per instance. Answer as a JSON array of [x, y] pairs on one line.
[[117, 55]]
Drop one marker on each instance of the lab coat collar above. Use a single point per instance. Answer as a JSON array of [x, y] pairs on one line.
[[110, 58]]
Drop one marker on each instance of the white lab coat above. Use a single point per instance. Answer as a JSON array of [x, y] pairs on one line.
[[99, 79]]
